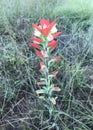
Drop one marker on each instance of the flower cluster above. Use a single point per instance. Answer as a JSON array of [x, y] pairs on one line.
[[45, 32], [44, 42]]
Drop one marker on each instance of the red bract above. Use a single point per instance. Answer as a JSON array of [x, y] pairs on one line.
[[44, 22], [36, 40], [42, 65], [53, 44], [39, 54], [44, 53], [40, 83], [36, 27], [47, 30], [34, 45], [57, 59], [56, 34]]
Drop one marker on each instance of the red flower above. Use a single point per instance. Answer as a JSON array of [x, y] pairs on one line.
[[44, 27], [56, 34], [53, 44], [42, 54], [47, 30], [36, 40], [40, 83], [39, 54], [57, 59], [36, 27], [34, 45], [44, 22], [42, 65]]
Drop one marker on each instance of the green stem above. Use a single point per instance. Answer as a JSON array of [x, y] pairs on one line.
[[48, 81]]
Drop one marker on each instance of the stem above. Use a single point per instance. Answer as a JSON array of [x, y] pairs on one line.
[[46, 60]]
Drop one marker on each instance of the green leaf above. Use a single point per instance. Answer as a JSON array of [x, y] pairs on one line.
[[53, 100]]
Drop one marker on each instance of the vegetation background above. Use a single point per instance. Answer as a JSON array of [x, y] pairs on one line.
[[19, 107]]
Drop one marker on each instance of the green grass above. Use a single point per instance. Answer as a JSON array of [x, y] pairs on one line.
[[80, 8], [19, 107]]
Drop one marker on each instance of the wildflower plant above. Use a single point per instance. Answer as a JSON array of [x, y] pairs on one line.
[[44, 43]]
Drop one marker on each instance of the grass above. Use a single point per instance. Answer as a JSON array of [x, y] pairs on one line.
[[19, 107], [79, 8]]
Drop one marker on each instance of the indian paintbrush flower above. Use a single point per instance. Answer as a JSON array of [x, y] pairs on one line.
[[44, 42]]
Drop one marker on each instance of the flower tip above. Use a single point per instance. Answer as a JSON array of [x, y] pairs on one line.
[[40, 83]]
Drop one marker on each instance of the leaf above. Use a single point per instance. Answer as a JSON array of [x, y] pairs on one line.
[[53, 100], [42, 97], [40, 91], [50, 62]]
